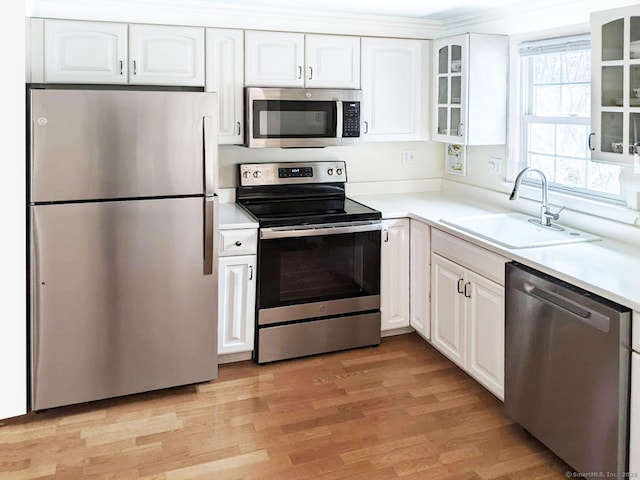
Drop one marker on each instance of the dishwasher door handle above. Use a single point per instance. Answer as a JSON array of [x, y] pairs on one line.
[[588, 316]]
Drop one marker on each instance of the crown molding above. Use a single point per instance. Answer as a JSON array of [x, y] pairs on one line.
[[210, 13]]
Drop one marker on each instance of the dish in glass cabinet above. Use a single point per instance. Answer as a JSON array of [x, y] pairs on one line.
[[633, 102], [456, 66], [616, 147], [634, 49]]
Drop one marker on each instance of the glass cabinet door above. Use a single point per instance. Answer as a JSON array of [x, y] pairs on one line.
[[449, 91], [616, 91]]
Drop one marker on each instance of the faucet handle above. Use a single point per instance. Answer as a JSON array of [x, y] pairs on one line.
[[554, 215]]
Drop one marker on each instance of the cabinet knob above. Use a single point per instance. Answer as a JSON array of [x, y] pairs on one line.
[[238, 243]]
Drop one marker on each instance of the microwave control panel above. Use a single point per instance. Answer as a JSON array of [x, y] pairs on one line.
[[350, 119]]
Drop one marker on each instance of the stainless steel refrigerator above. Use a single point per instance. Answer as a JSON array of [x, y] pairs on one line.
[[123, 223]]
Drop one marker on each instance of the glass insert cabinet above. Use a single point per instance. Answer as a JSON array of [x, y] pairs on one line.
[[470, 89], [615, 115]]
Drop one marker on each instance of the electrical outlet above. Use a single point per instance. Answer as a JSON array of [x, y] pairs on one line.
[[408, 156], [495, 165]]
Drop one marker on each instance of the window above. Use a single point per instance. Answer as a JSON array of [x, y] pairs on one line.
[[556, 108]]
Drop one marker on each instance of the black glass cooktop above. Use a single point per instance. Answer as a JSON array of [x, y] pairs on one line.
[[283, 207]]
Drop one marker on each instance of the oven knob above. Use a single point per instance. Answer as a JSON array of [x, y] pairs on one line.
[[246, 174], [339, 171], [330, 171], [257, 174]]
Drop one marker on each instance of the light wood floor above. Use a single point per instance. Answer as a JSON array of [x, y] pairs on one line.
[[400, 410]]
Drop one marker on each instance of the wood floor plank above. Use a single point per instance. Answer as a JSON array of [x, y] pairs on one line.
[[397, 411]]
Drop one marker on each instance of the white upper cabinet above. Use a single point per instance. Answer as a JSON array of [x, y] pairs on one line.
[[85, 52], [100, 52], [165, 55], [394, 89], [615, 84], [274, 59], [225, 75], [277, 59], [332, 61], [470, 89]]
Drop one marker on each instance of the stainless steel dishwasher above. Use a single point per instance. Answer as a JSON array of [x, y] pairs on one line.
[[567, 374]]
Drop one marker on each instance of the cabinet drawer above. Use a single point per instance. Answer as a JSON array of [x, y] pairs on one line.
[[478, 259], [238, 242]]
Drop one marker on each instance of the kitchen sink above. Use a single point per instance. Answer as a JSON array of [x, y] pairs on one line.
[[514, 230]]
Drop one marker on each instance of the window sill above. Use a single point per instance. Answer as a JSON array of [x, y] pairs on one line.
[[583, 205]]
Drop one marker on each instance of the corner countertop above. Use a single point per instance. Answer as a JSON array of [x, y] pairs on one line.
[[607, 268], [232, 216]]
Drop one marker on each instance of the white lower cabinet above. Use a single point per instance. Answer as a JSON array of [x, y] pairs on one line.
[[237, 290], [394, 274], [467, 308], [419, 274], [447, 309], [485, 321], [634, 441], [236, 303]]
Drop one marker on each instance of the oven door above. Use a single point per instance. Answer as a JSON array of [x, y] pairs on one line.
[[318, 271]]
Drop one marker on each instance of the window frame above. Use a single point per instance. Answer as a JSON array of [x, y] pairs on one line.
[[526, 100]]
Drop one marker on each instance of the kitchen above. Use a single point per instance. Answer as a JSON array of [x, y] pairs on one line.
[[369, 163]]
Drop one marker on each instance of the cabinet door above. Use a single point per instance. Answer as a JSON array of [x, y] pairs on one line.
[[448, 309], [615, 73], [394, 274], [485, 323], [332, 61], [85, 52], [420, 278], [224, 75], [236, 307], [394, 89], [634, 443], [166, 55], [450, 67], [274, 59]]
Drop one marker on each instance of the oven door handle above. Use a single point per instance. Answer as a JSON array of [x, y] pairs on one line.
[[316, 230]]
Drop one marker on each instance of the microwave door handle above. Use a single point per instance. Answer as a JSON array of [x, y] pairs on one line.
[[339, 114]]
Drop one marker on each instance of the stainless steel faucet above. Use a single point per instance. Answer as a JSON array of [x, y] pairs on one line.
[[546, 215]]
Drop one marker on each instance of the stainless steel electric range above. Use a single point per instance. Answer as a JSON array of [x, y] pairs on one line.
[[318, 285]]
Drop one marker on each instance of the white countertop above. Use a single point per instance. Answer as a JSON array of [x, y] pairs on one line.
[[607, 268], [232, 216]]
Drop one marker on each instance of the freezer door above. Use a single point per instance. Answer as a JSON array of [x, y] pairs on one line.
[[102, 144], [121, 298]]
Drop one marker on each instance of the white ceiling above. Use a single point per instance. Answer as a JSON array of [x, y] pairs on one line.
[[422, 9]]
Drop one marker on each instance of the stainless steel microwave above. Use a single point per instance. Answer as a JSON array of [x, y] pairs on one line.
[[301, 117]]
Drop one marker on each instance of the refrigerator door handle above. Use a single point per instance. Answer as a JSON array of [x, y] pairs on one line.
[[210, 234], [209, 154]]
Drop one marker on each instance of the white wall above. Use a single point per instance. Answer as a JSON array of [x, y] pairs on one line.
[[13, 369], [368, 162]]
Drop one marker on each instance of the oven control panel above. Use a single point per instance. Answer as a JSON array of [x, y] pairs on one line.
[[255, 174]]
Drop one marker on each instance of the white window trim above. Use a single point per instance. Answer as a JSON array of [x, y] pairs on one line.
[[515, 162]]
